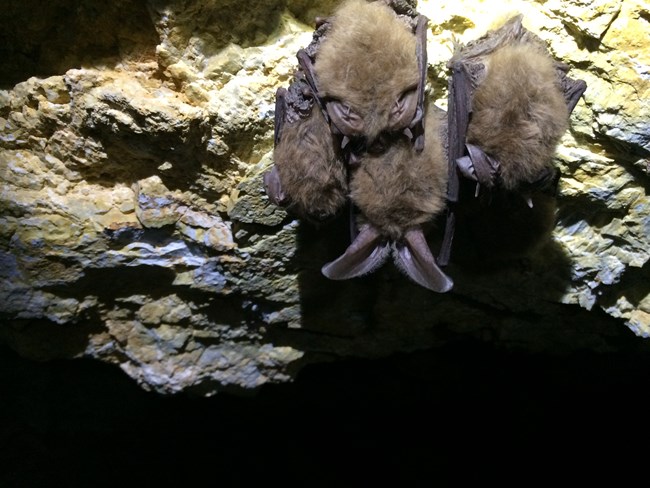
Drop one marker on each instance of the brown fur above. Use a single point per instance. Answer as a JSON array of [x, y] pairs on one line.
[[401, 188], [367, 60], [312, 176], [519, 112]]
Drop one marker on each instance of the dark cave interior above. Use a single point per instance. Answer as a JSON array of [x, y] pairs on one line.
[[464, 413]]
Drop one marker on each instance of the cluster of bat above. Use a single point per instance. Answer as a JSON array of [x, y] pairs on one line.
[[355, 130]]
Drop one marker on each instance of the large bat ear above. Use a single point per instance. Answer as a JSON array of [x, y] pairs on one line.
[[414, 258], [403, 112], [272, 184], [366, 253], [346, 120], [273, 187]]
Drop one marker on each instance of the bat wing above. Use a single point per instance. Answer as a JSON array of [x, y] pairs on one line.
[[417, 126], [272, 184], [307, 65], [458, 112], [280, 113], [572, 89]]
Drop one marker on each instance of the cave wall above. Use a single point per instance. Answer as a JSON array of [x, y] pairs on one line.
[[134, 228]]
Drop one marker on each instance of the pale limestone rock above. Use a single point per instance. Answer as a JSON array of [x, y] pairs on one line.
[[156, 205], [134, 228]]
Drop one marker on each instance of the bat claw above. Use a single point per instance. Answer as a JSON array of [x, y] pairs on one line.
[[529, 201]]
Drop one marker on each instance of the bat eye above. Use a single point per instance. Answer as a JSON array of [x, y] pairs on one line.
[[402, 113], [344, 118]]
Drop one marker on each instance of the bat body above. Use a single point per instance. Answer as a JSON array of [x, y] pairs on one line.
[[519, 113], [371, 74], [308, 177], [307, 163], [509, 105], [397, 190]]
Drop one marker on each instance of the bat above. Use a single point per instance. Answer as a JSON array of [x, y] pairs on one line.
[[509, 105], [359, 97], [308, 177], [398, 190], [371, 72]]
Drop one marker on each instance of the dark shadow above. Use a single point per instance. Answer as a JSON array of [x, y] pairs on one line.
[[385, 312], [48, 38], [462, 414], [498, 226], [339, 308], [109, 284], [634, 285], [145, 152], [218, 25], [40, 338], [502, 245]]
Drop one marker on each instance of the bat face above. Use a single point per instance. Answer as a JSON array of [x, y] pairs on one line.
[[368, 71], [519, 113]]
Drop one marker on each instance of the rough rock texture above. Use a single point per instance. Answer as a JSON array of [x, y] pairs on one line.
[[134, 228]]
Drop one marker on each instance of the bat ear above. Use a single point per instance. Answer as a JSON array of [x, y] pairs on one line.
[[414, 258], [403, 112], [344, 118], [366, 253], [273, 187]]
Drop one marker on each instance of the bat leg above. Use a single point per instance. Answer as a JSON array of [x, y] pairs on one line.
[[366, 253], [414, 258]]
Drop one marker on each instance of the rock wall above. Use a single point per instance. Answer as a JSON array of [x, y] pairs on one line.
[[134, 228]]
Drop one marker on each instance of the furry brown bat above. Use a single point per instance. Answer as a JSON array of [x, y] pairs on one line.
[[371, 72], [309, 177], [519, 113], [397, 190], [509, 104], [367, 78]]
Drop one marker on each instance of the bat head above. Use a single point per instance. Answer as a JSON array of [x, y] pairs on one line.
[[394, 118], [519, 112], [367, 71]]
